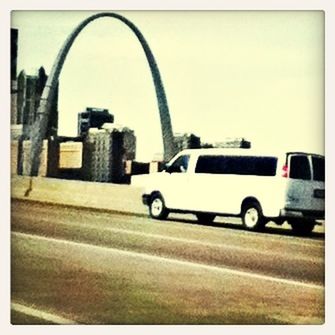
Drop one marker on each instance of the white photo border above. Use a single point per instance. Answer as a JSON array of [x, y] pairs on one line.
[[5, 12]]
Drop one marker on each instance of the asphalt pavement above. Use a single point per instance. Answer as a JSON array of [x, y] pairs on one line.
[[84, 266]]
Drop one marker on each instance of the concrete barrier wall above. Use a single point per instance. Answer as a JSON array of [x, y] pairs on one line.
[[122, 198]]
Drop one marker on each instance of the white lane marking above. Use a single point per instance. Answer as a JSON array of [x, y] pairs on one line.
[[37, 313], [197, 242], [299, 241], [175, 261], [189, 241]]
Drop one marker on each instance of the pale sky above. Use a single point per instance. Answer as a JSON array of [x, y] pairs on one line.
[[257, 75]]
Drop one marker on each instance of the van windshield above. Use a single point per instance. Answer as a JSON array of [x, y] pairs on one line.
[[179, 165], [239, 165]]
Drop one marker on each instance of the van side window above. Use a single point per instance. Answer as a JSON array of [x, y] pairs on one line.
[[239, 165], [300, 168], [318, 168], [179, 165]]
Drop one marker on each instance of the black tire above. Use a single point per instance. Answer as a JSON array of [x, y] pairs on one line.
[[205, 217], [157, 208], [301, 227], [252, 216]]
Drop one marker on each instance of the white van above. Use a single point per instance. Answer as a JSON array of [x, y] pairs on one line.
[[240, 182]]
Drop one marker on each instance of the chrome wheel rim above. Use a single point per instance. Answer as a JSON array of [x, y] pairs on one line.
[[157, 207], [251, 217]]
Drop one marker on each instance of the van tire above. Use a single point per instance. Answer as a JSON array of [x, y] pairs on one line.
[[252, 216], [301, 227], [157, 209], [205, 217]]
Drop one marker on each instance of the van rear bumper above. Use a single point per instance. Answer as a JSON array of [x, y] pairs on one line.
[[302, 213]]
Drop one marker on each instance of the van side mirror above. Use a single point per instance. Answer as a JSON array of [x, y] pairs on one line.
[[167, 168]]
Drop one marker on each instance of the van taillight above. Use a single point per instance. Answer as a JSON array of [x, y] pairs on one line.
[[285, 171]]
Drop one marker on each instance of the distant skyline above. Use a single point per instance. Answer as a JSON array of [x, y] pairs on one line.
[[257, 75]]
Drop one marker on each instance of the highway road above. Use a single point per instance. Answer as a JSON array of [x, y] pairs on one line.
[[80, 266]]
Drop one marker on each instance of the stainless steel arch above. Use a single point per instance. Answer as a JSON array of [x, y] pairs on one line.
[[40, 124]]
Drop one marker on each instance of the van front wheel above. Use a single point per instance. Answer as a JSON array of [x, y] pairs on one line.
[[252, 216], [157, 207]]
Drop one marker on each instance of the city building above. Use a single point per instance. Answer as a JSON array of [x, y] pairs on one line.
[[106, 151], [187, 141], [93, 118], [233, 142], [28, 96], [13, 77], [26, 91]]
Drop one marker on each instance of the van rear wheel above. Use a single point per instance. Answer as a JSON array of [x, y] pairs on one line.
[[301, 227], [252, 216]]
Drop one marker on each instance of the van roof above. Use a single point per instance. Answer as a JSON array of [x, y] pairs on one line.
[[242, 152]]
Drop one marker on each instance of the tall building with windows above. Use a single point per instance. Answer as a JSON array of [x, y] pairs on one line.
[[26, 91], [106, 151], [14, 33], [93, 118], [29, 92], [187, 141]]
